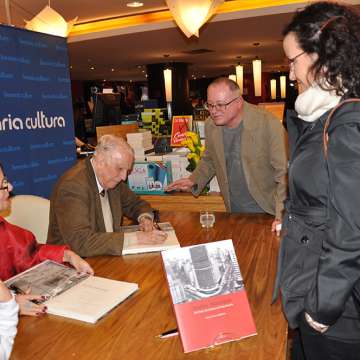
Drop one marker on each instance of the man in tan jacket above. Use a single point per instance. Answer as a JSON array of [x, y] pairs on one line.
[[90, 199], [246, 150]]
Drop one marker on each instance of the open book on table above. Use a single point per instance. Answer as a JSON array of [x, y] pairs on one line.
[[69, 294], [132, 247]]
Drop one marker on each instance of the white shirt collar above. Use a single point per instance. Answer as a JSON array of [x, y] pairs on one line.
[[100, 188]]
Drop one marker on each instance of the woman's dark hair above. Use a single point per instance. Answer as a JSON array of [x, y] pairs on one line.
[[332, 31]]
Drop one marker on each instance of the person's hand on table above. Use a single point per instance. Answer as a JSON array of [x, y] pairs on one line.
[[151, 238], [184, 184], [146, 224], [77, 262], [28, 307], [276, 227]]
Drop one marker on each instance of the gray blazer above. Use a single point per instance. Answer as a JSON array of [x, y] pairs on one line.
[[264, 159]]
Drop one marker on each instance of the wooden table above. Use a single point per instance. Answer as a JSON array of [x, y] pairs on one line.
[[130, 330]]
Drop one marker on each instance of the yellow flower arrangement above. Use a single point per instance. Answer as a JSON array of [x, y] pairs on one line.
[[193, 143]]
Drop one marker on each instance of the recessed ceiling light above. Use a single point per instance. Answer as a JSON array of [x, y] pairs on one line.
[[113, 70], [135, 4], [92, 68]]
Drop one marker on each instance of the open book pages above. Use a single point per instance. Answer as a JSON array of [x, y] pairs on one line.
[[132, 247], [69, 294], [91, 299]]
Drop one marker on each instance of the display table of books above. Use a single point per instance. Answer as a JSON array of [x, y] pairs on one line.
[[211, 279]]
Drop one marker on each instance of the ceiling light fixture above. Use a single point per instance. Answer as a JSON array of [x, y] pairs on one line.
[[135, 4], [191, 15], [49, 21], [257, 73], [273, 89], [283, 86], [168, 88], [240, 77]]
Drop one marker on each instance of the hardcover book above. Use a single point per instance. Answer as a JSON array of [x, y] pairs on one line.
[[69, 294], [208, 294], [180, 125], [130, 240]]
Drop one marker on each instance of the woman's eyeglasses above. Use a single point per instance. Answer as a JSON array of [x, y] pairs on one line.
[[4, 184], [292, 60]]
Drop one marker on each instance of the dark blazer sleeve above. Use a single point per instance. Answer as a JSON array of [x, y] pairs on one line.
[[339, 266]]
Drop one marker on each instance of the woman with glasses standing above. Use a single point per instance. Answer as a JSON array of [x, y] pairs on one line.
[[20, 251], [319, 261]]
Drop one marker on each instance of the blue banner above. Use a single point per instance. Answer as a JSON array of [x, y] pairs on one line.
[[36, 119]]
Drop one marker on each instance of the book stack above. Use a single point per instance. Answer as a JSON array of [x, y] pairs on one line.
[[141, 142], [153, 120]]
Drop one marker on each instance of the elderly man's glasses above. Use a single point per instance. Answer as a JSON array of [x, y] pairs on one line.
[[4, 184], [292, 60], [219, 106]]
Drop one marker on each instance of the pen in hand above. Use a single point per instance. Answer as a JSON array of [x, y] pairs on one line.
[[169, 333]]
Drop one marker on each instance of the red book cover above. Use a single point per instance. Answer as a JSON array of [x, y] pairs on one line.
[[208, 295], [180, 125]]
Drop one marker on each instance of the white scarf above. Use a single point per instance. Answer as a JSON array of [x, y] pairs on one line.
[[314, 102]]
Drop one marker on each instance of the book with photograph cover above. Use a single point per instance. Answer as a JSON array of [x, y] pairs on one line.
[[130, 240], [208, 294], [69, 294]]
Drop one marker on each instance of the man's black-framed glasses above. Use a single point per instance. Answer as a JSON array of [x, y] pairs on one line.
[[219, 107], [292, 60], [4, 184]]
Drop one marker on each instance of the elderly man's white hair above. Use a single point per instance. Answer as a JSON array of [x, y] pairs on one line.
[[110, 146]]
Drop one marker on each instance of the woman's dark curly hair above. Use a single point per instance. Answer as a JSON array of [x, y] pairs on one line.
[[332, 31]]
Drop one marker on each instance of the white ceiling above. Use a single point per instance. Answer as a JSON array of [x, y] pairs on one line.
[[227, 36]]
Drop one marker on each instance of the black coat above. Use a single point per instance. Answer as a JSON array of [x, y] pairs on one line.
[[319, 261]]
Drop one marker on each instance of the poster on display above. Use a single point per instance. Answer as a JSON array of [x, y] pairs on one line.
[[150, 177], [180, 125], [36, 120]]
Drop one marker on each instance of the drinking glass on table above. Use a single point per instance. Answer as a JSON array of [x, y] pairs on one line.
[[207, 219]]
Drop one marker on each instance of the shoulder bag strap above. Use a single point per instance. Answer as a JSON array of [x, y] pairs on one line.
[[327, 123]]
